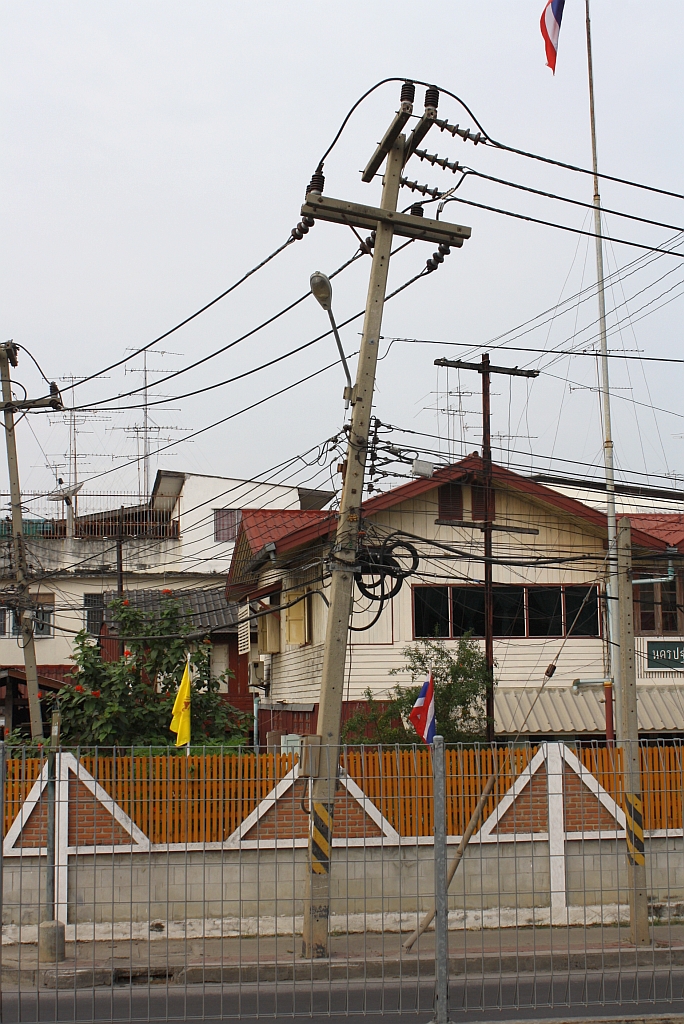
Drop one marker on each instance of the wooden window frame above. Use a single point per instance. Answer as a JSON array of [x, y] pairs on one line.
[[527, 588], [658, 610]]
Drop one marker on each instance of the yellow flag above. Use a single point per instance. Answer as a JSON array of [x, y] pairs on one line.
[[180, 723]]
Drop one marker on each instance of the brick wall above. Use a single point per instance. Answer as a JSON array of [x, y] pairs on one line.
[[287, 819], [583, 811], [530, 811], [90, 824]]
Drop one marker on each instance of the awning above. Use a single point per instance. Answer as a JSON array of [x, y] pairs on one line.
[[559, 709]]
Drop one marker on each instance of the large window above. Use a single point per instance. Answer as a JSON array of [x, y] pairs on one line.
[[518, 611], [226, 523], [659, 608]]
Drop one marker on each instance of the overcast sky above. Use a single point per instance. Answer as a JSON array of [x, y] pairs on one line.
[[154, 152]]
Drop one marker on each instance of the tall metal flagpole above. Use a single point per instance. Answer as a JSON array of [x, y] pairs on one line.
[[611, 575]]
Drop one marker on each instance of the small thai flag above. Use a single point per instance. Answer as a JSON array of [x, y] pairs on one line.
[[422, 714], [550, 29]]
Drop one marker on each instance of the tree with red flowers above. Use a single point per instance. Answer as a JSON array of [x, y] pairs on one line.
[[128, 702]]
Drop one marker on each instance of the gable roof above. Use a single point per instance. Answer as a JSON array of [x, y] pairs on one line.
[[289, 529], [470, 468]]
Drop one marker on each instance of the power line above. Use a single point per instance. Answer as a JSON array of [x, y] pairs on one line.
[[541, 351], [187, 320], [488, 140], [565, 227]]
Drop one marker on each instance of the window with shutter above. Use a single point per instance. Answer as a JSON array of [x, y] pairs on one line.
[[477, 498], [295, 617], [450, 501], [269, 626], [244, 637]]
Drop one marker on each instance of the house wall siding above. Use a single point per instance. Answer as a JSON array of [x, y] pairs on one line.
[[296, 671]]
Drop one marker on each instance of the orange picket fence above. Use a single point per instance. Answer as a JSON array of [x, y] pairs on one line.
[[205, 798]]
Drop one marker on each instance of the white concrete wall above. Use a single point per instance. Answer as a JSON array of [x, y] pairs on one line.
[[195, 508], [388, 881]]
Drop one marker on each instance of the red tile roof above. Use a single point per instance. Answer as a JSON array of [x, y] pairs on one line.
[[269, 525]]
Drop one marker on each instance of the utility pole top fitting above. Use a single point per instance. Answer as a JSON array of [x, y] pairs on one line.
[[339, 211]]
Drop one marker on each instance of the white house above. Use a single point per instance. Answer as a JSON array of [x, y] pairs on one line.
[[182, 538], [549, 588]]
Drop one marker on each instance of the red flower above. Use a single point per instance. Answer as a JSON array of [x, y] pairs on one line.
[[127, 654], [39, 694], [96, 693], [125, 602], [79, 689], [167, 591]]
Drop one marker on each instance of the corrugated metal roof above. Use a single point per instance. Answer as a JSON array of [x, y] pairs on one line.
[[666, 526], [203, 609], [559, 709]]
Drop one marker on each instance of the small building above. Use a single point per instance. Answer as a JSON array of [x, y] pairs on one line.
[[549, 600], [182, 538]]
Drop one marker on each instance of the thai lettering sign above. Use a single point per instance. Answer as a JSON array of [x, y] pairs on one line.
[[665, 654]]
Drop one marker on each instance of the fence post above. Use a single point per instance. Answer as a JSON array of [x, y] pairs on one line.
[[441, 901]]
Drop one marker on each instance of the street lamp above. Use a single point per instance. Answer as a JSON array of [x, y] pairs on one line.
[[321, 289]]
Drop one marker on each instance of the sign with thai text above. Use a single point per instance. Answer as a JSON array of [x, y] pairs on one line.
[[665, 654]]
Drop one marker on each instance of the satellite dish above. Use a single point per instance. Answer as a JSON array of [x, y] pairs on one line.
[[64, 493]]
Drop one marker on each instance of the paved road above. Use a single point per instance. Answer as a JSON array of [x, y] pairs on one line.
[[542, 997]]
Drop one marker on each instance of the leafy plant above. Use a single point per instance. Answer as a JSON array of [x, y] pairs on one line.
[[460, 678], [128, 702]]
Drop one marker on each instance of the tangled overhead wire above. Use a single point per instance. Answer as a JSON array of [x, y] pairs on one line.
[[380, 574]]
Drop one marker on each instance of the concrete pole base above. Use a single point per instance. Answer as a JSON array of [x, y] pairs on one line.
[[51, 941]]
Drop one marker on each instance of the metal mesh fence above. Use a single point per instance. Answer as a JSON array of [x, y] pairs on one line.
[[150, 885]]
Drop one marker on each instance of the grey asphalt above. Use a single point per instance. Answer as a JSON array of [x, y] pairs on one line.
[[625, 996]]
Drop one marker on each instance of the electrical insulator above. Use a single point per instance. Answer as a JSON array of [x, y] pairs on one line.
[[303, 227], [431, 101], [317, 182], [437, 257], [417, 210], [408, 93], [370, 241]]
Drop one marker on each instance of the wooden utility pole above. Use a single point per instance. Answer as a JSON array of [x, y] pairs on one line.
[[486, 370], [8, 354], [628, 740], [386, 222], [488, 548]]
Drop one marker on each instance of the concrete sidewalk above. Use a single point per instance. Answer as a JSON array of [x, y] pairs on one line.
[[367, 956]]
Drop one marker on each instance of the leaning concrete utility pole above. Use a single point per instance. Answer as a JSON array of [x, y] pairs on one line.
[[628, 736], [386, 223], [8, 354]]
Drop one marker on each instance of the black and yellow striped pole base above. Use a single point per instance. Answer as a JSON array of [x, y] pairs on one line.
[[634, 813], [320, 838]]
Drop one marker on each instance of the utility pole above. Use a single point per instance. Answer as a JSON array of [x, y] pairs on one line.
[[629, 743], [485, 369], [9, 355], [119, 555], [613, 663], [386, 223]]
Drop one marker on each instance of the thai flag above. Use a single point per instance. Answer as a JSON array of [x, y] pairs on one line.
[[550, 29], [422, 714]]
